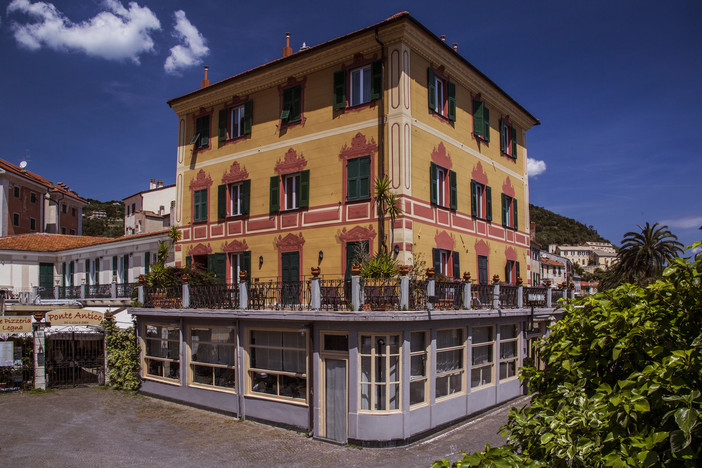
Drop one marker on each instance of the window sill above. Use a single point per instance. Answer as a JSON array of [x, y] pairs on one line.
[[279, 399], [164, 380], [358, 200], [199, 221], [450, 396], [442, 117], [231, 391], [290, 124], [229, 141], [507, 155], [234, 217]]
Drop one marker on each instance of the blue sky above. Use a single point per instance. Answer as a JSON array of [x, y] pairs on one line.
[[616, 84]]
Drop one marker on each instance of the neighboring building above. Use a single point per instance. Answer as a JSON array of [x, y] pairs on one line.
[[277, 164], [589, 256], [30, 203], [150, 210], [554, 268]]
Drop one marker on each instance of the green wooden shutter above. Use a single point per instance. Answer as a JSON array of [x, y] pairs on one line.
[[436, 260], [486, 120], [473, 198], [452, 101], [203, 128], [376, 79], [518, 273], [211, 264], [245, 196], [125, 268], [46, 276], [364, 182], [188, 261], [433, 184], [508, 271], [246, 264], [456, 265], [147, 262], [431, 88], [352, 174], [304, 192], [114, 267], [514, 143], [220, 267], [503, 136], [488, 203], [222, 201], [222, 134], [248, 118], [454, 190], [275, 194], [478, 123], [516, 218], [339, 89], [504, 209]]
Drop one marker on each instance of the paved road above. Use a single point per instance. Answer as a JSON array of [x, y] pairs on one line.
[[101, 427]]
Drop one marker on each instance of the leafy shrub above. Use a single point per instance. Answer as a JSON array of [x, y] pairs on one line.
[[122, 354], [382, 265]]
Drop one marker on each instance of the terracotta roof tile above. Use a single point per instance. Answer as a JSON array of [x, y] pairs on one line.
[[44, 242], [61, 188]]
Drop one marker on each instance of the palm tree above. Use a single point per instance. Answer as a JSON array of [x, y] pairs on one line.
[[643, 255], [386, 203]]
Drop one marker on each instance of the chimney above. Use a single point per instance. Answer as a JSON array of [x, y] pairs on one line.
[[443, 38], [287, 51], [159, 184], [455, 46], [205, 82], [152, 184]]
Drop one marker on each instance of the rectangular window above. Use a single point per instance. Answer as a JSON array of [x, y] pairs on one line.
[[483, 356], [16, 191], [418, 367], [72, 232], [450, 349], [482, 269], [64, 209], [278, 364], [200, 205], [212, 357], [509, 212], [236, 122], [16, 220], [480, 200], [32, 224], [380, 372], [358, 178], [440, 185], [508, 140], [509, 350], [443, 181], [234, 199], [33, 197], [364, 85], [481, 120], [63, 230], [202, 132], [442, 95], [360, 86], [162, 351], [73, 212], [291, 187], [292, 105]]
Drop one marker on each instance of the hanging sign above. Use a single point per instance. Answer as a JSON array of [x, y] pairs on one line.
[[15, 324], [74, 317]]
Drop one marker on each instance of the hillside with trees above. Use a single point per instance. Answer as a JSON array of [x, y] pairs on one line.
[[112, 225], [552, 228]]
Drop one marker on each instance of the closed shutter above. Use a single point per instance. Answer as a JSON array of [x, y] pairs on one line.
[[248, 118], [246, 264], [503, 136], [431, 88], [125, 268], [516, 218], [376, 79], [456, 265], [147, 262], [482, 269], [46, 276], [504, 209], [220, 267], [222, 132], [518, 272], [433, 196], [508, 272], [478, 122], [473, 198], [275, 194], [222, 201], [436, 260], [245, 196], [339, 89], [364, 178], [488, 203], [514, 142], [454, 190], [114, 268], [452, 101], [304, 193], [486, 123], [188, 261], [352, 175]]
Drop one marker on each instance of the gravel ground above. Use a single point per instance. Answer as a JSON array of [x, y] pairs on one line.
[[101, 427]]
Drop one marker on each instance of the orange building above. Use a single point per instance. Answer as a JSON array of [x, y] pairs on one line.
[[276, 165]]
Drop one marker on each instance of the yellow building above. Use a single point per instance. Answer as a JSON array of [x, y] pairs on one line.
[[276, 164]]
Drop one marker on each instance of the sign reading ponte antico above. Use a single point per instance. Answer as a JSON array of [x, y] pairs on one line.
[[74, 317]]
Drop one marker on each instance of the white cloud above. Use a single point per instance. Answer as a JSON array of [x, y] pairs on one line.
[[191, 51], [535, 167], [117, 33], [687, 222]]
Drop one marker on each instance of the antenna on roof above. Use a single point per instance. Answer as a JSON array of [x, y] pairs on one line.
[[23, 164]]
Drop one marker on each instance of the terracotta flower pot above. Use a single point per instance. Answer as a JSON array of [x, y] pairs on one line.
[[315, 271], [38, 316], [496, 279], [519, 281], [466, 276], [242, 275], [404, 269], [355, 269], [430, 273]]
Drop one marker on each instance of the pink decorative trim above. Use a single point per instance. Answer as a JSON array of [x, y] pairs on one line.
[[290, 163], [443, 240], [201, 181], [358, 233], [290, 243], [359, 147], [359, 60], [507, 188], [200, 249], [441, 157], [482, 248], [236, 101], [479, 174], [511, 254], [236, 246], [236, 174]]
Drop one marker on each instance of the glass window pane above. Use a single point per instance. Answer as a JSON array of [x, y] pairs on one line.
[[418, 341], [380, 403], [508, 331], [418, 366], [202, 375], [336, 343], [225, 377], [293, 361], [482, 354], [417, 391], [263, 383], [449, 338], [293, 387], [394, 342], [365, 344], [394, 396], [449, 360], [394, 369], [482, 334], [365, 369], [508, 369], [508, 350], [365, 396]]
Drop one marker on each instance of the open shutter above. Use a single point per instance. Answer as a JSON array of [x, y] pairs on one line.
[[513, 133], [431, 88], [246, 264], [275, 194], [147, 262], [211, 264], [339, 89], [456, 265], [504, 210], [376, 79], [486, 121], [508, 272], [488, 203], [436, 260], [473, 198], [220, 267], [454, 190], [352, 173], [518, 273], [245, 196], [114, 268], [222, 133], [364, 180], [516, 217], [304, 192], [478, 123], [434, 184], [503, 136], [188, 261], [222, 201], [247, 122], [452, 101]]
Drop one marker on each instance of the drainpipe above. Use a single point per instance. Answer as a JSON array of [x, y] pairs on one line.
[[381, 135]]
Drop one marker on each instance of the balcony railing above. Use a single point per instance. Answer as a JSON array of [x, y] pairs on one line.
[[335, 294], [218, 296], [509, 297], [448, 295], [98, 291], [481, 296], [279, 295], [381, 293]]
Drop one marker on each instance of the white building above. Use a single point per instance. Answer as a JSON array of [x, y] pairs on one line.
[[150, 210]]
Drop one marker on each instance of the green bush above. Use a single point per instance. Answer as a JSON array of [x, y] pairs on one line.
[[122, 354], [621, 383], [382, 265]]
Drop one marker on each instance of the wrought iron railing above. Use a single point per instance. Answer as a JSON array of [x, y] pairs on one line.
[[46, 293], [126, 289], [381, 293], [279, 295], [557, 294], [509, 296], [69, 292], [534, 296], [163, 298], [335, 294], [98, 291], [217, 296], [448, 295], [481, 296], [417, 294]]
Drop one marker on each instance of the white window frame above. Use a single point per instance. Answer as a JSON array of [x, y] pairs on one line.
[[360, 86], [481, 209], [234, 193], [509, 212], [167, 362], [444, 263], [440, 96], [445, 377], [236, 115], [441, 178], [419, 380], [485, 371], [375, 381], [509, 364], [234, 267], [193, 347], [290, 199]]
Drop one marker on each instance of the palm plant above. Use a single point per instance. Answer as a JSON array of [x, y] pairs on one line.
[[387, 204], [643, 255]]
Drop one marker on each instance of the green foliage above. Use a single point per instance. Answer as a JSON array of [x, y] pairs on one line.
[[382, 265], [122, 354], [552, 228], [621, 383], [111, 226], [387, 204]]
